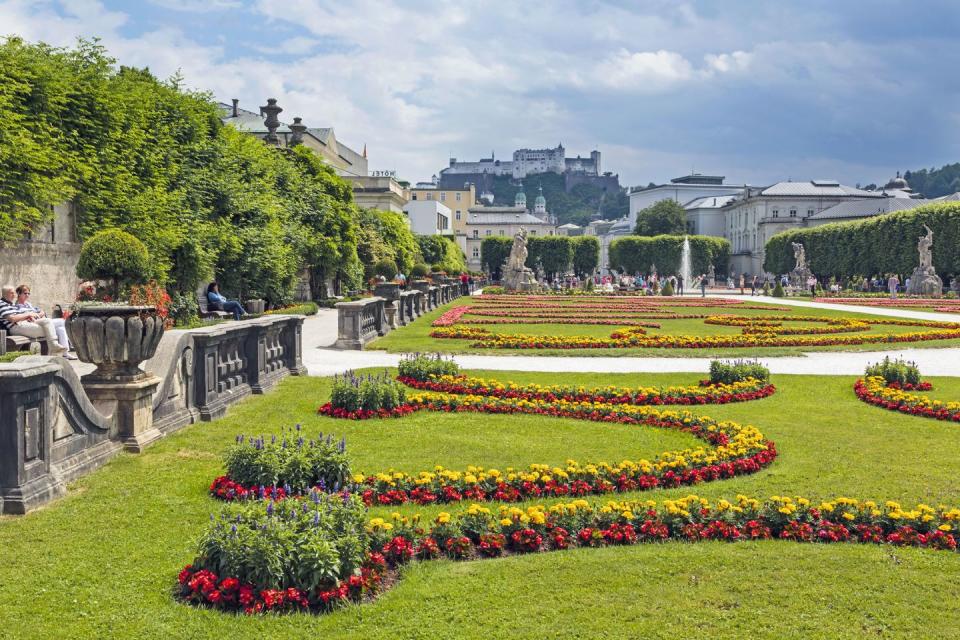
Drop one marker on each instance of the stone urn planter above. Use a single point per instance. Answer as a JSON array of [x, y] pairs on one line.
[[116, 338]]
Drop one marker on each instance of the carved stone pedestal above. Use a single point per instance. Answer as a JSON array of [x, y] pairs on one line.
[[131, 404]]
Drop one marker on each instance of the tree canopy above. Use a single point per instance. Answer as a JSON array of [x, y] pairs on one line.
[[665, 217]]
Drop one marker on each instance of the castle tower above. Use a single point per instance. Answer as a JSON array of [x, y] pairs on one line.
[[520, 200], [540, 205]]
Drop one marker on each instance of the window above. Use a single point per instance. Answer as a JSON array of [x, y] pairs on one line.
[[429, 196], [489, 232], [476, 252], [458, 196], [809, 212], [413, 196], [533, 232], [776, 213], [476, 233], [443, 196], [793, 212], [501, 231], [458, 213]]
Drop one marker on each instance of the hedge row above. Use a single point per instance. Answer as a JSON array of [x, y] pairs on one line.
[[636, 254], [552, 255], [884, 244]]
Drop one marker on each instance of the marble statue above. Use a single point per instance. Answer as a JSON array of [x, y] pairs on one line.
[[516, 275], [924, 280]]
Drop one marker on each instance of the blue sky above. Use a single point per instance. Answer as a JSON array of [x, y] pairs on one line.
[[756, 91]]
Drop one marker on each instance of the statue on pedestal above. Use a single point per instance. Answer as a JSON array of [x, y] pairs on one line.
[[516, 275], [711, 276], [801, 272], [924, 280]]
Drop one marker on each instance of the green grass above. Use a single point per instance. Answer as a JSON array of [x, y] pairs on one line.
[[415, 337], [102, 561]]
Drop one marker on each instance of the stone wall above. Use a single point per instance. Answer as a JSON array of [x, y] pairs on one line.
[[51, 433], [47, 261]]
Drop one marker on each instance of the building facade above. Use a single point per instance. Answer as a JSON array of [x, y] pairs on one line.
[[759, 213], [458, 201], [429, 218], [682, 190]]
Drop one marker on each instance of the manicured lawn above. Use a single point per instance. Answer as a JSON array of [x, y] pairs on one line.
[[102, 562], [416, 336]]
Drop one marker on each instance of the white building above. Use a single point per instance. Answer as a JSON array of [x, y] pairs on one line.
[[429, 218], [759, 213], [527, 161], [682, 190]]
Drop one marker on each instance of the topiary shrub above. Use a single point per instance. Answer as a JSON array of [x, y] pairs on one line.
[[778, 291], [115, 256], [419, 271], [386, 268], [436, 268], [722, 372], [667, 289]]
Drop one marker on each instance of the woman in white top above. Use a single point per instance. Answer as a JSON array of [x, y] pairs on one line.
[[24, 305]]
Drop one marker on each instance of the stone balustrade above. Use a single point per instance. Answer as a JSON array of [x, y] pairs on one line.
[[52, 432], [360, 321]]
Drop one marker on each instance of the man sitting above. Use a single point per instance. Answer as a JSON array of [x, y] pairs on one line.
[[59, 324], [26, 323]]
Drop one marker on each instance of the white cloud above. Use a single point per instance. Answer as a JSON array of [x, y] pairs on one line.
[[418, 81]]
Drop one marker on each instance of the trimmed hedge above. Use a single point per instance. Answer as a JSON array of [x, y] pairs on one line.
[[884, 244], [116, 256], [494, 252], [635, 254]]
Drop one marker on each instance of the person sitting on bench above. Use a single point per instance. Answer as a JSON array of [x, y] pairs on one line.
[[219, 302], [29, 324], [59, 324]]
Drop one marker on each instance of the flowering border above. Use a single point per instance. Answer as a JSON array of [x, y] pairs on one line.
[[874, 390], [476, 532], [704, 393]]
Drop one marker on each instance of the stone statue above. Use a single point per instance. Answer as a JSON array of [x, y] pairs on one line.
[[801, 273], [924, 280], [711, 276], [924, 246], [800, 255], [516, 275]]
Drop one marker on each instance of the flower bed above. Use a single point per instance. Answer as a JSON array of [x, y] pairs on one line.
[[944, 305], [313, 555], [704, 393], [735, 450], [634, 315], [894, 397]]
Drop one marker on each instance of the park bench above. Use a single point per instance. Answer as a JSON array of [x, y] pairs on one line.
[[21, 343], [207, 312]]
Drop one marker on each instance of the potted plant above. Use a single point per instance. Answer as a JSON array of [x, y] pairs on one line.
[[110, 332]]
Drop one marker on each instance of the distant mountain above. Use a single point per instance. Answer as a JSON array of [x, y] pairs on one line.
[[934, 183], [583, 203]]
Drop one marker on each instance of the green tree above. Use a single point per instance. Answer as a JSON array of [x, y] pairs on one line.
[[586, 255], [556, 254], [663, 217], [494, 252]]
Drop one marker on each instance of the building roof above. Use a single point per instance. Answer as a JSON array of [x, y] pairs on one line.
[[569, 225], [818, 188], [866, 208], [709, 202], [698, 178], [950, 197], [503, 215]]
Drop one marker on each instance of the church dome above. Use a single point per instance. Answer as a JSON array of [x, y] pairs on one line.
[[896, 183], [520, 200]]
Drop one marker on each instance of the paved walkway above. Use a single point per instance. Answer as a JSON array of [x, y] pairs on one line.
[[320, 332]]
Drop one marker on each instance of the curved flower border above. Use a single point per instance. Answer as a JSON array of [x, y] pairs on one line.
[[874, 390], [479, 532]]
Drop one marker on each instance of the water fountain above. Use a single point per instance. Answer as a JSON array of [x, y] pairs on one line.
[[685, 268]]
